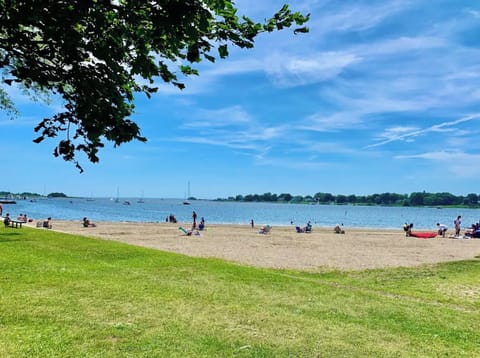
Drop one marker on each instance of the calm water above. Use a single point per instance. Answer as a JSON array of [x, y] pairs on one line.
[[155, 210]]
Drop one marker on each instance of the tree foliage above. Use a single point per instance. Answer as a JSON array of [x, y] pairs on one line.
[[392, 199], [96, 54]]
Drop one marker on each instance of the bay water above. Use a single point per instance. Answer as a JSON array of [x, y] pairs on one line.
[[156, 210]]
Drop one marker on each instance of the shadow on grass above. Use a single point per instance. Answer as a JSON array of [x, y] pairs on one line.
[[9, 236]]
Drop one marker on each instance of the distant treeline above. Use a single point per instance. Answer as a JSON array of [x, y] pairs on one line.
[[7, 194], [390, 199]]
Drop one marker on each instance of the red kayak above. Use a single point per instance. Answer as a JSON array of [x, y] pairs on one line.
[[424, 235]]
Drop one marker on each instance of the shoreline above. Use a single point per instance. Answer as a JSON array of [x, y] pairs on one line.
[[283, 248]]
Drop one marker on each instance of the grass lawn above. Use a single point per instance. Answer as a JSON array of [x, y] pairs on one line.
[[71, 296]]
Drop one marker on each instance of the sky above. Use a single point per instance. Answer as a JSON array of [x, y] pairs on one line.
[[379, 96]]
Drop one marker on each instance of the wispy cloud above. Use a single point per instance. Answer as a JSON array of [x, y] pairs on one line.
[[460, 163], [442, 127], [357, 17], [474, 13], [223, 117], [287, 71], [330, 123]]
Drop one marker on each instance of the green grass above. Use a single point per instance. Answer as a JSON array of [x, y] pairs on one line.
[[71, 296]]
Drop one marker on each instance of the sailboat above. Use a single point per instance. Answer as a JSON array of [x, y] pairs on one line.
[[117, 199], [186, 202], [141, 201]]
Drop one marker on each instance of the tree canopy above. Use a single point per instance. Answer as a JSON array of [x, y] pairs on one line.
[[392, 199], [97, 54]]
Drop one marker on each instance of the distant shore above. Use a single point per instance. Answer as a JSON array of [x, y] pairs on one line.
[[284, 248]]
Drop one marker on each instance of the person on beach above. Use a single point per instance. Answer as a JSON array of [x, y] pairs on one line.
[[47, 224], [442, 229], [252, 224], [201, 226], [407, 228], [87, 223], [194, 217], [7, 220], [1, 209], [338, 229], [457, 222], [308, 227], [265, 229]]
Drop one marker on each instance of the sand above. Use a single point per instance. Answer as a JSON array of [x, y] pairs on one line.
[[283, 247]]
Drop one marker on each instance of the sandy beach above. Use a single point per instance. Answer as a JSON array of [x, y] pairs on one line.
[[283, 247]]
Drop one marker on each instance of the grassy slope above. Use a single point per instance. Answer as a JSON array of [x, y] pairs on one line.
[[64, 296]]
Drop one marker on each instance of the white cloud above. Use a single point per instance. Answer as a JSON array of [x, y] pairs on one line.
[[459, 163], [357, 17], [445, 126], [285, 71], [329, 123], [401, 44], [223, 117], [474, 13], [395, 132]]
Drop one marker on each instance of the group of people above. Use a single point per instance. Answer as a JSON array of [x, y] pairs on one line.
[[201, 225], [23, 218], [473, 231], [306, 229], [442, 228]]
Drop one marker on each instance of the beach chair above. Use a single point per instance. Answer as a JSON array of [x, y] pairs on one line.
[[185, 231], [189, 232]]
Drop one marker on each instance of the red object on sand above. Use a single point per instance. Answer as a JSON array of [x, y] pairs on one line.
[[424, 235]]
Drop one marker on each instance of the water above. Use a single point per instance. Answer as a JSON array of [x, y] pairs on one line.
[[156, 210]]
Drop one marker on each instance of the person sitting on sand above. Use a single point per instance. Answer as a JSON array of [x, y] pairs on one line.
[[442, 229], [87, 223], [265, 229], [47, 224], [308, 227], [338, 230], [201, 226]]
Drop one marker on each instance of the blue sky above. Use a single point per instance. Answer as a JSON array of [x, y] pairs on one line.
[[380, 96]]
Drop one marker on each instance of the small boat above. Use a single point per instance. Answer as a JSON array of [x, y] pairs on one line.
[[7, 201], [117, 199], [126, 202], [187, 195]]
